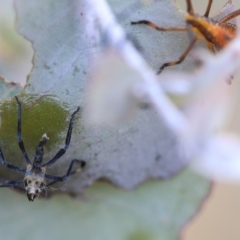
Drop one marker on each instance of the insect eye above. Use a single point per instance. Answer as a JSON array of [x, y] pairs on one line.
[[36, 182], [29, 181]]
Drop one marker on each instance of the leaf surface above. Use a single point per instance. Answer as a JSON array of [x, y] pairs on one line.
[[65, 50]]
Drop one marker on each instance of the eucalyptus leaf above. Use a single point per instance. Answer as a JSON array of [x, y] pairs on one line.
[[8, 89], [67, 47], [68, 50]]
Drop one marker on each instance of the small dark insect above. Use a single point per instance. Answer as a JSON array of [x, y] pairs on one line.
[[217, 34], [35, 173]]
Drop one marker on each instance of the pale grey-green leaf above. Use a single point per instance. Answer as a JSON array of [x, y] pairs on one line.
[[64, 49], [8, 89]]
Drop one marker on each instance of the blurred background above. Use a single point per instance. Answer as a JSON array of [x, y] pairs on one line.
[[15, 52], [219, 217]]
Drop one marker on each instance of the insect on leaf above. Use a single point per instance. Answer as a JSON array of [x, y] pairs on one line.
[[62, 69]]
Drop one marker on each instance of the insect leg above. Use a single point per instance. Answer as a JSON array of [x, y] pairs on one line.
[[230, 16], [19, 133], [190, 7], [181, 58], [12, 184], [154, 26], [67, 142], [206, 14], [8, 165], [69, 172]]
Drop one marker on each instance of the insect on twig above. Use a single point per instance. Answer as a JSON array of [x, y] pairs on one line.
[[35, 172], [217, 34]]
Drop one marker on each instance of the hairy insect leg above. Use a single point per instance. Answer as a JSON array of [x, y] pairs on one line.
[[189, 7], [12, 184], [72, 173], [8, 165], [181, 58], [154, 26], [67, 142], [19, 132], [206, 14], [69, 172]]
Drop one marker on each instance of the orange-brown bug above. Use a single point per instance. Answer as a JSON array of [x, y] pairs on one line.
[[217, 34]]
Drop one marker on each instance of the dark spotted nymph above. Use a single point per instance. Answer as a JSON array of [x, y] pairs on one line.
[[35, 172]]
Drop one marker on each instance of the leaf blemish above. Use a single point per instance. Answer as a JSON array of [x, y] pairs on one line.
[[76, 69], [158, 157], [46, 66]]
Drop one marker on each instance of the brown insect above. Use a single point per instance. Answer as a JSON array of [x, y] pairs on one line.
[[217, 34]]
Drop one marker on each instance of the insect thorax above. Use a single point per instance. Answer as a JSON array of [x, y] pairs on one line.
[[218, 34]]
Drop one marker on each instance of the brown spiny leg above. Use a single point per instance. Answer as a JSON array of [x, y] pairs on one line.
[[230, 16], [162, 29], [190, 7], [181, 58], [167, 29], [206, 14]]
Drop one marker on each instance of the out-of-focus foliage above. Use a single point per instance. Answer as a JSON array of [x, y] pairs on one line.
[[15, 52]]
